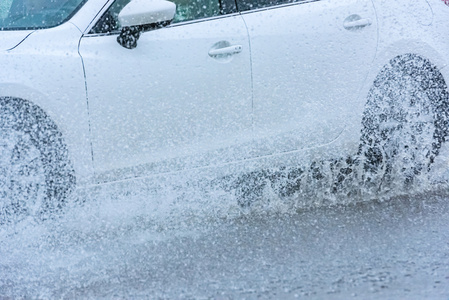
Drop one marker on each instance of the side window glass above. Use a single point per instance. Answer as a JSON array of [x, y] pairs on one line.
[[109, 21], [186, 10], [244, 5]]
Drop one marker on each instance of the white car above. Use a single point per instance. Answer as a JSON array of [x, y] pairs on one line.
[[93, 91]]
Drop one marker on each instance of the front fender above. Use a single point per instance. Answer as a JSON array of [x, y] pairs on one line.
[[46, 70]]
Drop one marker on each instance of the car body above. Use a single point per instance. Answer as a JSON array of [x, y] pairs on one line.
[[264, 82]]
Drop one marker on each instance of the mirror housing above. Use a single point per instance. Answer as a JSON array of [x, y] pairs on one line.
[[145, 12], [141, 15]]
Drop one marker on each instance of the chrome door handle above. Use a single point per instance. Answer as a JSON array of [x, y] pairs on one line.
[[356, 24], [230, 50]]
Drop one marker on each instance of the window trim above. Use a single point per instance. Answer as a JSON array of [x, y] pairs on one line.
[[275, 6], [117, 32], [231, 10]]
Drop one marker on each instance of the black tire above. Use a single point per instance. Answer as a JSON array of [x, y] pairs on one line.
[[37, 173], [404, 124]]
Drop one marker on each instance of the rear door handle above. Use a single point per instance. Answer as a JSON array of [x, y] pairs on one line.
[[357, 23], [230, 50]]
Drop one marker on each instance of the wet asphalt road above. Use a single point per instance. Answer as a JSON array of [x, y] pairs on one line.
[[397, 249]]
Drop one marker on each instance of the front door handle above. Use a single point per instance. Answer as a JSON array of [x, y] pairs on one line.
[[356, 22], [230, 50]]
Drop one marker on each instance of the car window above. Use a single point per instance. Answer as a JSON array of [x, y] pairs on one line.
[[35, 14], [5, 5], [186, 10]]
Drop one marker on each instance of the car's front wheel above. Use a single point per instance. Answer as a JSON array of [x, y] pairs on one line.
[[36, 175]]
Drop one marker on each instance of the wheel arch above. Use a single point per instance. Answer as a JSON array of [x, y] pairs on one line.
[[71, 121], [411, 63], [36, 103], [383, 58], [407, 47], [30, 108], [31, 96]]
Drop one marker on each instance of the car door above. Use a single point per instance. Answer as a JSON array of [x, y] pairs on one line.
[[309, 61], [179, 93]]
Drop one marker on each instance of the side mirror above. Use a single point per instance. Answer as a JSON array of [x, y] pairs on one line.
[[141, 15]]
